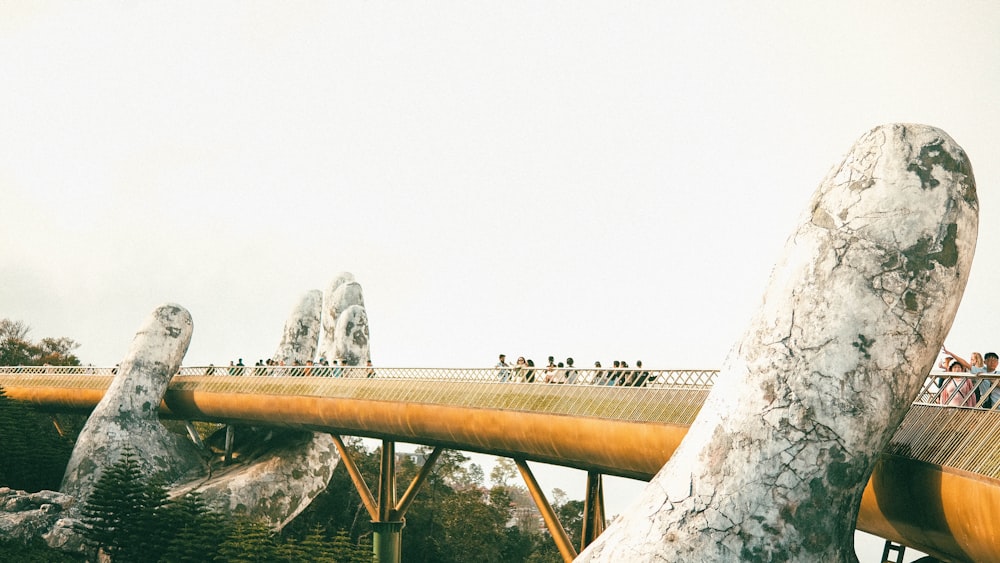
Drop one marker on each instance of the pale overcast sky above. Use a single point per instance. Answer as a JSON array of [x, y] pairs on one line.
[[574, 179], [597, 180]]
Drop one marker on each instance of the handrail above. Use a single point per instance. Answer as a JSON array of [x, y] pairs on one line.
[[668, 396], [627, 377], [940, 388]]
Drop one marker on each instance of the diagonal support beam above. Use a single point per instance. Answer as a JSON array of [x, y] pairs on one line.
[[562, 540], [418, 481], [359, 481]]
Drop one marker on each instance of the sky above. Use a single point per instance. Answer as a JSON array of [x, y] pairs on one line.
[[589, 179]]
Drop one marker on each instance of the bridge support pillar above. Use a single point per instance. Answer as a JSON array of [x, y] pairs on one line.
[[193, 434], [387, 541], [386, 513], [593, 509], [229, 444]]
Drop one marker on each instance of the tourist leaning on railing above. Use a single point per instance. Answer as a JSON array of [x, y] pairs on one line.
[[957, 391]]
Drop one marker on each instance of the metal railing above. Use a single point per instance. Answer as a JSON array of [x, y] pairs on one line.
[[639, 395], [656, 378], [940, 388], [622, 393], [959, 389]]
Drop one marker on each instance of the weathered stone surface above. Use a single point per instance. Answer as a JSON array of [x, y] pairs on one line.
[[300, 338], [26, 515], [351, 336], [128, 413], [774, 466], [63, 536], [276, 474], [342, 293]]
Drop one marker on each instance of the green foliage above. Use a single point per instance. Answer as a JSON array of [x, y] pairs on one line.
[[452, 519], [248, 542], [130, 519], [570, 514], [343, 549], [17, 350], [35, 551], [120, 515], [197, 530], [34, 454], [503, 472]]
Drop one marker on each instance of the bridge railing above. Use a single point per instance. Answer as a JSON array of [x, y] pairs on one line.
[[673, 396], [953, 389], [595, 377], [960, 389]]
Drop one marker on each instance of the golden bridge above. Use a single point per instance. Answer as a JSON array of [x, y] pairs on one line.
[[935, 488]]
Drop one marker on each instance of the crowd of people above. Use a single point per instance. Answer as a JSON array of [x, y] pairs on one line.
[[969, 391], [619, 373], [321, 367]]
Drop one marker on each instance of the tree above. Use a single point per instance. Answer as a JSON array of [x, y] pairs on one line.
[[197, 530], [34, 454], [35, 551], [17, 350], [570, 515], [115, 518], [248, 542], [504, 471]]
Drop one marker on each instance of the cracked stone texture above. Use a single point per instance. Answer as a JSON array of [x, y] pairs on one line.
[[341, 337], [277, 473], [854, 315], [352, 336], [300, 338], [128, 414], [25, 515]]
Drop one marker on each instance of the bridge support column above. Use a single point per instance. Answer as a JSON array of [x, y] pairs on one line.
[[229, 443], [387, 541], [387, 482], [193, 434], [386, 513], [593, 509]]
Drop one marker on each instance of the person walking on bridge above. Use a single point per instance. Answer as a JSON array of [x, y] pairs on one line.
[[985, 387], [504, 368]]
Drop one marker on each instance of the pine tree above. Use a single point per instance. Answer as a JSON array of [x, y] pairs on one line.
[[13, 469], [363, 552], [248, 542], [150, 536], [113, 511], [315, 547], [34, 455], [197, 530], [342, 549]]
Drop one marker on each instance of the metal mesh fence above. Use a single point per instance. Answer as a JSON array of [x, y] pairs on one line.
[[673, 396]]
